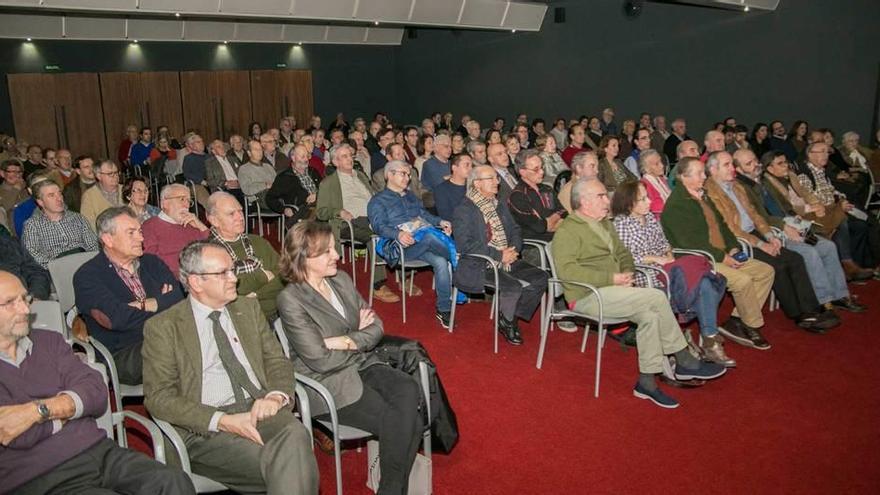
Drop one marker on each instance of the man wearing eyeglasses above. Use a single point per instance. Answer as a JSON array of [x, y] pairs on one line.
[[120, 288], [165, 235], [105, 194], [48, 405], [214, 370], [396, 214]]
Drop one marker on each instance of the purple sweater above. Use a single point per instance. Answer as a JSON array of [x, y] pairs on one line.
[[50, 368]]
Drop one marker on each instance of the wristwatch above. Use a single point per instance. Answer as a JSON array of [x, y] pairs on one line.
[[43, 411]]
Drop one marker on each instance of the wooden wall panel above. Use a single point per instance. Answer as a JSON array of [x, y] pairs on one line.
[[161, 92], [278, 93], [298, 91], [199, 95], [234, 102], [34, 110], [79, 96], [121, 106]]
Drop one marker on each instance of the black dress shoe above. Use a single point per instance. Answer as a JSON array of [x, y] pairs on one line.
[[848, 304], [509, 331]]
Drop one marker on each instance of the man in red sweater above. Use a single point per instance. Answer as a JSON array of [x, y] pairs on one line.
[[576, 137], [168, 233]]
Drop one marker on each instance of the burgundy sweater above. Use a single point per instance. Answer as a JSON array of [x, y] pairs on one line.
[[50, 368], [166, 240]]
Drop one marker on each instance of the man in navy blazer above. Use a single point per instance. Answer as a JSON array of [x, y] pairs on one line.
[[119, 289]]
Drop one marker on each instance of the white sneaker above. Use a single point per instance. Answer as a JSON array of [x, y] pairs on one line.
[[567, 326]]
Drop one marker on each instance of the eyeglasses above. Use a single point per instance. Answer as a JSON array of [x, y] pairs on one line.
[[402, 172], [494, 177], [26, 298], [534, 170], [114, 173], [225, 273]]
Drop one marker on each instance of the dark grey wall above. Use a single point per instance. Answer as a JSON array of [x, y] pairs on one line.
[[810, 59], [351, 78]]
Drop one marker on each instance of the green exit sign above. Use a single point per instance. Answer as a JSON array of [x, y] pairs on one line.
[[52, 68], [280, 66]]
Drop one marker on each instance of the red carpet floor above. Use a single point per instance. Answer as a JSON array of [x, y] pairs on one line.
[[801, 417]]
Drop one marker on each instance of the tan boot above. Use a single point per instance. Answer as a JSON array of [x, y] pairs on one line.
[[385, 295], [713, 351]]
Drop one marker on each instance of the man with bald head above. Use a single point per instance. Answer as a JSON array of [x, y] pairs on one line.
[[484, 226], [586, 249], [48, 406], [165, 235]]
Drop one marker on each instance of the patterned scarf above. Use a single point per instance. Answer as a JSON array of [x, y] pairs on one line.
[[248, 265], [489, 208]]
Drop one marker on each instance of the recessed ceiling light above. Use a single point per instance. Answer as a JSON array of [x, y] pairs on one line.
[[746, 8], [29, 39], [135, 41], [513, 30], [177, 14], [376, 23], [300, 43], [225, 42]]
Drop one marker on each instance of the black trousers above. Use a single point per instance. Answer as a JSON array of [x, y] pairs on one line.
[[130, 364], [865, 241], [520, 289], [363, 233], [106, 468], [792, 283], [389, 409]]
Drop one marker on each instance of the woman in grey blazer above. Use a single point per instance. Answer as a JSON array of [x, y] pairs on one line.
[[332, 331]]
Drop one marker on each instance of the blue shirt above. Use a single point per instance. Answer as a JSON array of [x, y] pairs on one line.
[[433, 172], [447, 196], [22, 214], [140, 153], [194, 167], [744, 219], [388, 209]]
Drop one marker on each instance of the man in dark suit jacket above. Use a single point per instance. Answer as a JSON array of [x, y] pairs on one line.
[[120, 288], [500, 161], [488, 229], [295, 190], [272, 155], [678, 136], [214, 370]]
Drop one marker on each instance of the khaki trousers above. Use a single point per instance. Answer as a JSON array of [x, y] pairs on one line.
[[750, 285], [658, 331]]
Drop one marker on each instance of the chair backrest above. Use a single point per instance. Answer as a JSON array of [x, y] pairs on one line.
[[47, 315], [105, 422], [62, 271], [548, 251], [282, 337]]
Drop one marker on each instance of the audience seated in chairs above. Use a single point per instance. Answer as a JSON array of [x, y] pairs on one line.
[[166, 234], [691, 221], [344, 196], [53, 231], [640, 232], [451, 192], [550, 158], [500, 161], [483, 225], [105, 194], [437, 168], [641, 143], [51, 441], [586, 249], [120, 288], [256, 176], [295, 190], [791, 282], [137, 192], [214, 370], [864, 235], [584, 165], [85, 178], [654, 179], [331, 332], [221, 171], [255, 260], [612, 173], [396, 215], [819, 254], [16, 260], [237, 153]]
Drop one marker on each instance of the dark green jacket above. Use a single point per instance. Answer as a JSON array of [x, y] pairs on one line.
[[581, 255], [685, 225]]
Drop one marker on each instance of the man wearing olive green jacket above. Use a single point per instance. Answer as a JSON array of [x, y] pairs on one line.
[[586, 249], [343, 196]]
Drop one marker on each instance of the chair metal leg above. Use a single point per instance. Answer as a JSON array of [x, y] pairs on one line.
[[545, 330], [452, 311], [403, 290]]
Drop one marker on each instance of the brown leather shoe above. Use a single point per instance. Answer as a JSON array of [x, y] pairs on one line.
[[855, 273], [323, 441], [385, 295], [713, 351]]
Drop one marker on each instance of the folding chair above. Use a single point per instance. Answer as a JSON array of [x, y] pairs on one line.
[[404, 265], [350, 245]]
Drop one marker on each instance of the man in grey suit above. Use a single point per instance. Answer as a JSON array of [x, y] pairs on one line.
[[221, 172], [213, 369]]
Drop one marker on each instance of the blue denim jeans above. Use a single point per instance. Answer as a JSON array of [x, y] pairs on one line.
[[432, 251], [824, 269], [707, 307]]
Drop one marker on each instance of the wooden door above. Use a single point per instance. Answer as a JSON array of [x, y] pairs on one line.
[[122, 106], [279, 93], [82, 120], [161, 92], [34, 111]]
